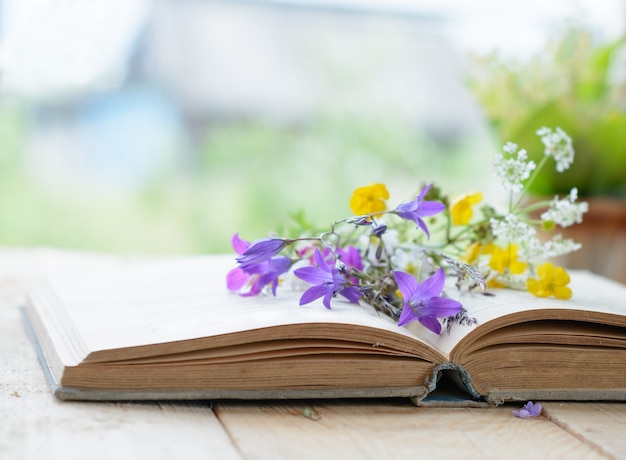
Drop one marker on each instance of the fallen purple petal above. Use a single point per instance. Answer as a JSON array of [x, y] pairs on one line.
[[529, 410]]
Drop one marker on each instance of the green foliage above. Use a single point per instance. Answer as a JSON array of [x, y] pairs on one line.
[[574, 85]]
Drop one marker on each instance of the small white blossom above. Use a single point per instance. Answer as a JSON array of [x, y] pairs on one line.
[[412, 261], [534, 251], [516, 281], [559, 146], [566, 212], [559, 247], [514, 170], [512, 229], [510, 147]]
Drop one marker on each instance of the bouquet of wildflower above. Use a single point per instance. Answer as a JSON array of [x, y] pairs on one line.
[[397, 260]]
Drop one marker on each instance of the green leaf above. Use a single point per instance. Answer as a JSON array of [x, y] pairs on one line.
[[595, 83]]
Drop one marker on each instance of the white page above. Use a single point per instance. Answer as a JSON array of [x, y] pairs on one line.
[[179, 300], [160, 302]]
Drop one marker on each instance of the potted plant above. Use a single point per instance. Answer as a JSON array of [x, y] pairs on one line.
[[580, 86]]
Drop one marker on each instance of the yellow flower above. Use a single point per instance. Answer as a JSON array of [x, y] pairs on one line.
[[369, 199], [495, 283], [461, 208], [552, 281], [503, 260], [475, 250]]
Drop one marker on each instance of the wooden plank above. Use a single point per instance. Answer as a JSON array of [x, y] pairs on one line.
[[602, 425], [393, 429], [36, 425]]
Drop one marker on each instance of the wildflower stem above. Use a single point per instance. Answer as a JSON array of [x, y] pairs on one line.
[[529, 182], [534, 207], [468, 228]]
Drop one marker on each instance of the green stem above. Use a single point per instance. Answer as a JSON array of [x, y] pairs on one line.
[[452, 239], [529, 182], [535, 206]]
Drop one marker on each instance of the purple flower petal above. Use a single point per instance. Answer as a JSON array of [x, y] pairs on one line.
[[328, 297], [529, 410], [423, 302], [351, 256], [430, 208], [236, 279], [275, 267], [254, 288], [321, 261], [406, 210], [281, 264], [313, 275], [521, 413], [239, 245], [440, 307], [421, 224], [261, 251], [407, 316], [313, 293], [406, 283], [433, 285], [352, 293], [258, 267], [534, 409], [430, 322], [416, 209], [424, 191], [327, 282]]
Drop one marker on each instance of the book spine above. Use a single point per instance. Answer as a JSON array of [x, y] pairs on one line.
[[450, 384]]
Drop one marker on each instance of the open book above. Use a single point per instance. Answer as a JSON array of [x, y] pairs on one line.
[[171, 330]]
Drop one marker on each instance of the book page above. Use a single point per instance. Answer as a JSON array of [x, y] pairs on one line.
[[590, 293], [187, 299]]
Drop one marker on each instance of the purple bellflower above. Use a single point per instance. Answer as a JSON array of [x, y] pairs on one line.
[[261, 251], [351, 257], [423, 301], [327, 282], [257, 275], [529, 410], [416, 209]]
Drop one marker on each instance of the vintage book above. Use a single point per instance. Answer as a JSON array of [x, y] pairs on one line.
[[171, 330]]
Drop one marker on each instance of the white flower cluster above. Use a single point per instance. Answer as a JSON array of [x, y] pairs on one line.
[[512, 229], [566, 212], [559, 146], [514, 170], [535, 250]]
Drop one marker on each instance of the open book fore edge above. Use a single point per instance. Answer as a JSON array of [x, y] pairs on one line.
[[420, 395], [78, 394]]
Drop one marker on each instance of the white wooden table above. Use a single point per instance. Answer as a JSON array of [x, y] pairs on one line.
[[35, 425]]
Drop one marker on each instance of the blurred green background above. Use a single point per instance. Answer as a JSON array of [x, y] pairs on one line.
[[165, 127], [249, 177]]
